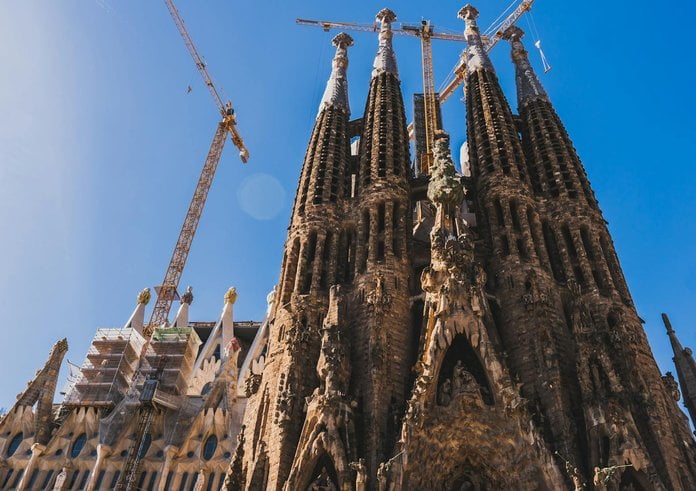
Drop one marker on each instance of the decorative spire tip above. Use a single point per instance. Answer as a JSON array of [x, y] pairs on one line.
[[231, 295], [187, 297], [144, 296], [513, 33], [468, 12], [342, 40], [386, 16]]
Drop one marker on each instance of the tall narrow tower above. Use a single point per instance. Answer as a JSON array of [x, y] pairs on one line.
[[527, 310], [620, 408], [380, 317], [686, 371], [317, 236]]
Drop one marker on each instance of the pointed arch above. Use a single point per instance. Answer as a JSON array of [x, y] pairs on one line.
[[459, 364]]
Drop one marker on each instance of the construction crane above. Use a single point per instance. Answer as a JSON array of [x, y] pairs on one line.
[[490, 38], [146, 412], [167, 291], [425, 31]]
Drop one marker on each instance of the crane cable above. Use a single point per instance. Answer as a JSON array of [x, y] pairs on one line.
[[537, 43]]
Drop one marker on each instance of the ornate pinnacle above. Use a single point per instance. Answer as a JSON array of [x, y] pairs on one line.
[[476, 56], [187, 297], [336, 92], [445, 187], [385, 61], [342, 40], [468, 12], [144, 296], [385, 16], [231, 296], [528, 85], [60, 346], [513, 33]]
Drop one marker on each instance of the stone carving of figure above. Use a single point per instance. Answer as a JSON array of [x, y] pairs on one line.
[[672, 386], [462, 380], [60, 480], [575, 475], [378, 297], [382, 472], [360, 474], [445, 392], [323, 482]]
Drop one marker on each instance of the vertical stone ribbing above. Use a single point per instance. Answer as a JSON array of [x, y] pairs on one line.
[[615, 371], [309, 268], [381, 311], [525, 253]]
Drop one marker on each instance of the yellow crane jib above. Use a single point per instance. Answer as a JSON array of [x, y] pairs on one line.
[[426, 32]]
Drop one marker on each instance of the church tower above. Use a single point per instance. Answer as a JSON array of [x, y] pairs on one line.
[[317, 236], [621, 411], [444, 352]]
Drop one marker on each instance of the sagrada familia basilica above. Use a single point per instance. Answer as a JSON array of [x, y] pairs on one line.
[[445, 330]]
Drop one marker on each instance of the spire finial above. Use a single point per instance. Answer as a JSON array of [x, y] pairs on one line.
[[476, 56], [187, 297], [528, 85], [385, 61], [144, 296], [231, 295], [342, 40], [468, 13], [336, 92], [386, 16]]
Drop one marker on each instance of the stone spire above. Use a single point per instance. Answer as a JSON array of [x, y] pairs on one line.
[[476, 56], [137, 319], [686, 369], [385, 61], [336, 92], [227, 317], [528, 85], [182, 315], [41, 390]]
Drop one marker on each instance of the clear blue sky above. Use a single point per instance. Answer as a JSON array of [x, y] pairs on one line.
[[101, 146]]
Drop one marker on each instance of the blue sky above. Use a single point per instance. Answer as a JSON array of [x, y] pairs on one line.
[[101, 146]]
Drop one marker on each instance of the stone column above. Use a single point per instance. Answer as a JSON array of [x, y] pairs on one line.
[[36, 451], [103, 451], [169, 454]]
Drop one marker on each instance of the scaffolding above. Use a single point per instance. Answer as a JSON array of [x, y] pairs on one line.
[[108, 369]]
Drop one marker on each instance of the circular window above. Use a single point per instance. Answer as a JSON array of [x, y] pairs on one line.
[[59, 451], [14, 444], [209, 447], [77, 445]]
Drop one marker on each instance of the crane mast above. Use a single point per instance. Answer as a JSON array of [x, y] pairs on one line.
[[167, 290]]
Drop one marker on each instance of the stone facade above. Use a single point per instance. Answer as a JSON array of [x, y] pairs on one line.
[[485, 341], [105, 435], [446, 331]]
